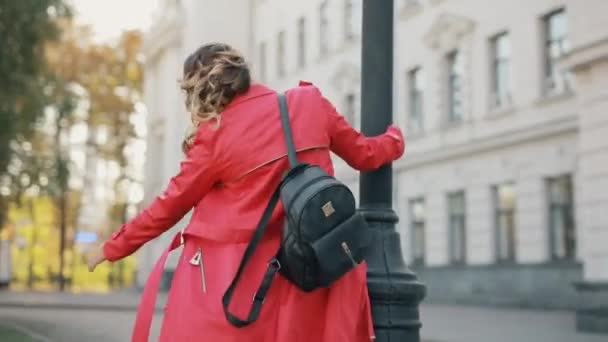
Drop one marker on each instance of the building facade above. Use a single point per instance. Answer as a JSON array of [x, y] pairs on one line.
[[503, 192]]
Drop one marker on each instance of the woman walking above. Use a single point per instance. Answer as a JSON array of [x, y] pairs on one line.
[[235, 158]]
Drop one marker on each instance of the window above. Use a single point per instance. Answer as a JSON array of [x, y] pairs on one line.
[[556, 46], [455, 85], [416, 102], [417, 222], [281, 54], [562, 233], [457, 227], [352, 19], [263, 62], [350, 108], [501, 63], [504, 202], [302, 42], [323, 29]]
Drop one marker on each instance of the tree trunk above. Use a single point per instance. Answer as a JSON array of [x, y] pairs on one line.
[[30, 275], [62, 177]]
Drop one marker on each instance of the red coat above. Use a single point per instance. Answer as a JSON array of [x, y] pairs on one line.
[[227, 177]]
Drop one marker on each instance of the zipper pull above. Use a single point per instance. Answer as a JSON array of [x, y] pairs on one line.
[[197, 260], [348, 253], [202, 266]]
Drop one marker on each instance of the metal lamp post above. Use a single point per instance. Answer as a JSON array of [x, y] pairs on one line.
[[394, 289]]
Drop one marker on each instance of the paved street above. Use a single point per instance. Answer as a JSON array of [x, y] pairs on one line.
[[10, 334], [56, 317], [90, 318], [473, 324], [64, 325]]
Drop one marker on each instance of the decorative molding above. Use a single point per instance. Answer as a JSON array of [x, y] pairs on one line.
[[157, 127], [346, 76], [447, 31], [165, 33], [548, 99], [582, 57], [500, 111], [415, 134], [510, 138], [451, 32], [410, 8]]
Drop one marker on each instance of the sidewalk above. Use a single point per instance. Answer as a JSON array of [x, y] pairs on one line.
[[127, 300], [471, 324], [441, 323]]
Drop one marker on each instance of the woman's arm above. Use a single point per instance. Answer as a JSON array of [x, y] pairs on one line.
[[361, 152], [198, 173]]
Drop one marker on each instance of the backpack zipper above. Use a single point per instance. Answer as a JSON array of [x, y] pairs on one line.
[[197, 260], [348, 253]]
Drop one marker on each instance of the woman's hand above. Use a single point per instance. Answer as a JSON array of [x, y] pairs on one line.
[[96, 259], [395, 132]]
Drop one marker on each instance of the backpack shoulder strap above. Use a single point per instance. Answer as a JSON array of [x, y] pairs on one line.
[[273, 264], [273, 268], [291, 148]]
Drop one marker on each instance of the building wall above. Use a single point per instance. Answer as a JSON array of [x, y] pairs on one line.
[[527, 165], [530, 139], [588, 61], [534, 136], [166, 122]]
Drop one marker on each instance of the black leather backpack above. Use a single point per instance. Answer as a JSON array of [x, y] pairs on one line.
[[323, 238]]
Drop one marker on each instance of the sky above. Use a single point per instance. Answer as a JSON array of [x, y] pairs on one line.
[[109, 18]]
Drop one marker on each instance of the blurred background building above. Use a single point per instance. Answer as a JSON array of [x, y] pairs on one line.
[[503, 192]]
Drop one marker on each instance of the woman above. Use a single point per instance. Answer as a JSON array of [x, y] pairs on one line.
[[235, 158]]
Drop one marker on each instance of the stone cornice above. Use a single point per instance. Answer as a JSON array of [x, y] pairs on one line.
[[166, 32], [511, 138], [443, 154], [583, 56]]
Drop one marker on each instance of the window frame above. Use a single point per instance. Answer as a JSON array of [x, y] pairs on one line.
[[415, 96], [498, 213], [417, 226], [302, 42], [567, 209], [350, 107], [263, 55], [281, 50], [452, 218], [352, 19], [453, 58], [323, 29], [554, 81], [500, 98]]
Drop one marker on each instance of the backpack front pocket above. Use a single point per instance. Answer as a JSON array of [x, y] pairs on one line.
[[342, 249]]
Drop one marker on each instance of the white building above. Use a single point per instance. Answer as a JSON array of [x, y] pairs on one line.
[[503, 193]]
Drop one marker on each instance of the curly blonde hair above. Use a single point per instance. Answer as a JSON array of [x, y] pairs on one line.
[[213, 75]]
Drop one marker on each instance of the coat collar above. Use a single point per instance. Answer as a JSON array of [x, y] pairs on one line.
[[255, 90]]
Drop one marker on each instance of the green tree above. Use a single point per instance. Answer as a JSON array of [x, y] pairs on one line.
[[25, 28]]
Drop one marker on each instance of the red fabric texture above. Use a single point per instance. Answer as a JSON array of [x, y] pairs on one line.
[[228, 177]]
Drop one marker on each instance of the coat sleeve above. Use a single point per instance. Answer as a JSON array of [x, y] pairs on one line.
[[198, 173], [361, 152]]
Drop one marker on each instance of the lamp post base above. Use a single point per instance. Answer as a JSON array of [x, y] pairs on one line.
[[394, 290]]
